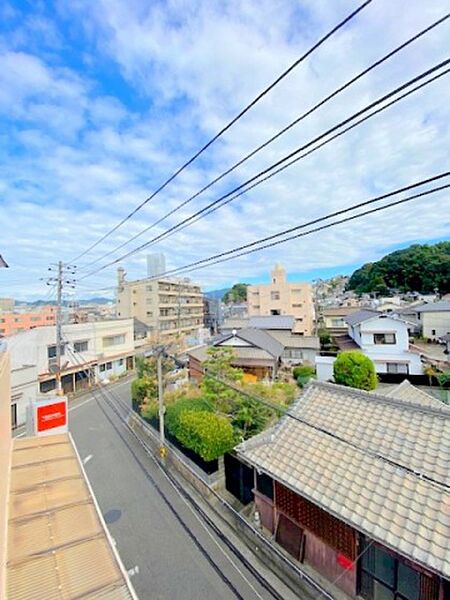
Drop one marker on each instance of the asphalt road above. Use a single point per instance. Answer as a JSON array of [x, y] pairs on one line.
[[169, 552]]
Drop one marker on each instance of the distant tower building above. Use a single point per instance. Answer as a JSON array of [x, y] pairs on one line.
[[156, 264]]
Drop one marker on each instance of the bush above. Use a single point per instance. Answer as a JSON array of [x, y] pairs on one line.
[[141, 389], [355, 369], [174, 411], [303, 374], [207, 434]]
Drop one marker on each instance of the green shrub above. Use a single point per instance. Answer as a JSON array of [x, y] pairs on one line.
[[174, 411], [355, 369], [141, 389], [303, 374], [207, 434]]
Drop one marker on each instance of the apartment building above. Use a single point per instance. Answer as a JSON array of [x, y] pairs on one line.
[[14, 322], [167, 306], [90, 352], [282, 298]]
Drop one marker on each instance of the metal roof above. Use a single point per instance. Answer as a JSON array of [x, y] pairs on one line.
[[441, 306], [58, 545], [379, 464], [361, 315], [272, 322]]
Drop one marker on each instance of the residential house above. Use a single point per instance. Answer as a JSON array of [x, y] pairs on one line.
[[333, 318], [282, 298], [256, 352], [356, 486], [298, 347], [434, 319], [14, 322], [168, 307], [90, 352]]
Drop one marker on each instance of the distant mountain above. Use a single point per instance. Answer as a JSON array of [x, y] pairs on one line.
[[98, 300], [216, 294]]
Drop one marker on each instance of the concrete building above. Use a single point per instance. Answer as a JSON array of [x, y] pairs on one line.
[[282, 298], [7, 304], [167, 306], [435, 319], [91, 352], [12, 322], [156, 264]]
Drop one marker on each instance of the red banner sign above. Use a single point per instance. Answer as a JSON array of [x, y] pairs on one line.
[[51, 416]]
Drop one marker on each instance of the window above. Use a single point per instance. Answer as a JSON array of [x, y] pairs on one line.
[[149, 313], [35, 319], [397, 368], [274, 295], [51, 351], [108, 366], [264, 484], [297, 305], [14, 415], [384, 577], [51, 318], [102, 368], [433, 332], [113, 340], [81, 346], [384, 338], [121, 361], [275, 312]]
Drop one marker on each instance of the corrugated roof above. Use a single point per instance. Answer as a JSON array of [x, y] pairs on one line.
[[408, 392], [272, 322], [440, 306], [58, 548], [361, 315], [380, 464]]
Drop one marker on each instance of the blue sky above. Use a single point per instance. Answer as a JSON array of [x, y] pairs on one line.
[[101, 101]]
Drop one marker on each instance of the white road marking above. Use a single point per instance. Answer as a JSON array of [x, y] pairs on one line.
[[87, 459], [81, 404], [133, 571]]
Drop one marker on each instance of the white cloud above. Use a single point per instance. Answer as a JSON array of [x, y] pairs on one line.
[[79, 153]]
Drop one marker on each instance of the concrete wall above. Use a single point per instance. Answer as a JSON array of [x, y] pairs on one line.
[[24, 388], [324, 367], [439, 322], [5, 461]]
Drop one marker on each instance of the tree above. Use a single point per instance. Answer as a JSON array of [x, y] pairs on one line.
[[207, 434], [219, 366], [238, 293], [419, 268], [303, 374], [355, 369], [174, 411]]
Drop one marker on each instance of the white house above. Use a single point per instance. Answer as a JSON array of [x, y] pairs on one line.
[[90, 352], [384, 338], [435, 319]]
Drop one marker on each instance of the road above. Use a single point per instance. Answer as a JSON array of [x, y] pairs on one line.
[[169, 552]]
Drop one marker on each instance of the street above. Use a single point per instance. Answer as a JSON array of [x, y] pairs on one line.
[[167, 550]]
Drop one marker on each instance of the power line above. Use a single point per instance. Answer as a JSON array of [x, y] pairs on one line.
[[229, 124], [278, 135], [272, 240], [214, 205]]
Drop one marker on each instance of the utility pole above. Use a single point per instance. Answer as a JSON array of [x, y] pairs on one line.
[[59, 287], [162, 440]]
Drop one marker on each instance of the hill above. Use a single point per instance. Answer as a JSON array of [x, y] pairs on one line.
[[419, 268], [216, 294]]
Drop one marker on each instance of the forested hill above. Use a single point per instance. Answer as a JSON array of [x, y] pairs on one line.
[[419, 268]]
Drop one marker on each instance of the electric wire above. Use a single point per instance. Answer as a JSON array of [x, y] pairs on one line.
[[276, 136], [229, 125], [291, 155]]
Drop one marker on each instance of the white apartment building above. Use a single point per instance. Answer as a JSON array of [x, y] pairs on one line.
[[90, 352], [383, 338], [167, 306], [282, 298]]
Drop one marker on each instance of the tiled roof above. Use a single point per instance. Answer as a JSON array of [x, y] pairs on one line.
[[361, 315], [241, 353], [57, 546], [409, 393], [272, 322], [381, 465], [258, 338], [234, 323], [441, 306], [339, 311], [292, 340]]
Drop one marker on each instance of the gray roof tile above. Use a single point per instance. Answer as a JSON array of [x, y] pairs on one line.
[[380, 464]]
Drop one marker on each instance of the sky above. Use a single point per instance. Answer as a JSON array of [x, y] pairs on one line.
[[100, 102]]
